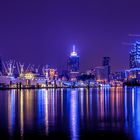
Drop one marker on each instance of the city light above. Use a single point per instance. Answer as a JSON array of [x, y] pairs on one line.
[[29, 76], [73, 53]]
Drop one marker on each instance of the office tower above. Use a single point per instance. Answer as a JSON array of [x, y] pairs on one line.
[[134, 56], [73, 61], [73, 64], [106, 64]]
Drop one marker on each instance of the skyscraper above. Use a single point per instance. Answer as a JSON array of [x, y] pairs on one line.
[[73, 64], [73, 61], [134, 56], [106, 64]]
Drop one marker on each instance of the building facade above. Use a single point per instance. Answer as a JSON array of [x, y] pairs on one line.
[[106, 64], [134, 56], [101, 74]]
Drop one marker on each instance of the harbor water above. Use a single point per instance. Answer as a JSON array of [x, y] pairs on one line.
[[73, 114]]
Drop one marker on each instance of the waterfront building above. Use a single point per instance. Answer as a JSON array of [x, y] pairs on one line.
[[120, 75], [101, 74], [134, 56], [64, 75], [51, 74], [73, 65], [32, 79], [7, 80], [133, 74]]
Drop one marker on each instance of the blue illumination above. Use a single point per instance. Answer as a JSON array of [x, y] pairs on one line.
[[73, 61], [137, 113], [41, 107], [125, 106], [135, 55], [73, 113], [91, 102]]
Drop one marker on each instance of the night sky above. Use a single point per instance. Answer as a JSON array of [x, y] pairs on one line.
[[44, 31]]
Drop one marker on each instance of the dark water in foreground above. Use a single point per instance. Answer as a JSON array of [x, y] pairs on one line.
[[110, 113]]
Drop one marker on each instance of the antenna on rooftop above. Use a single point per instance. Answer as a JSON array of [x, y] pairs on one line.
[[73, 48]]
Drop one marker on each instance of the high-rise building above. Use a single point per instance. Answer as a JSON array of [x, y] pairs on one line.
[[73, 61], [100, 74], [106, 64], [73, 64], [134, 58]]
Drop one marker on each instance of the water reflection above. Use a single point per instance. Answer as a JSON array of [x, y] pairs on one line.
[[71, 111], [21, 114], [74, 113], [11, 112]]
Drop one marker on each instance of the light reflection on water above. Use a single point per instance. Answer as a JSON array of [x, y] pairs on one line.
[[11, 111], [71, 111]]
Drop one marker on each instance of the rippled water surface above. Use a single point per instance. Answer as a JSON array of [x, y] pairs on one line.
[[70, 113]]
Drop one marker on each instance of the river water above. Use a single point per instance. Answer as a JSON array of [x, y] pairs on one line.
[[70, 113]]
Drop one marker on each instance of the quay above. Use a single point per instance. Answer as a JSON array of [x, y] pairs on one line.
[[59, 87]]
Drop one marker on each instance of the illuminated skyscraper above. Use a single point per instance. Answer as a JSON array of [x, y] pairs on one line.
[[73, 63], [134, 59]]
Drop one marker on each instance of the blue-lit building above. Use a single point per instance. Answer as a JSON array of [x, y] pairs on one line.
[[134, 59], [133, 74], [119, 75], [73, 64]]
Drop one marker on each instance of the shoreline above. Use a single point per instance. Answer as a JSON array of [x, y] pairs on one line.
[[71, 87], [63, 87], [43, 88]]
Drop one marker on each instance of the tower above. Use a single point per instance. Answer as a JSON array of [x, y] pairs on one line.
[[134, 56], [73, 61], [106, 64], [73, 64]]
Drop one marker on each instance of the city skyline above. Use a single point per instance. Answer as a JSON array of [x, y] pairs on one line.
[[74, 53], [32, 32]]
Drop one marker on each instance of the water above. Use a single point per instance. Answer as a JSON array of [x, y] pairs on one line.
[[70, 113]]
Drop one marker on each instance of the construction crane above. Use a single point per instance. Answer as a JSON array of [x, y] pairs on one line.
[[20, 68], [9, 67]]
